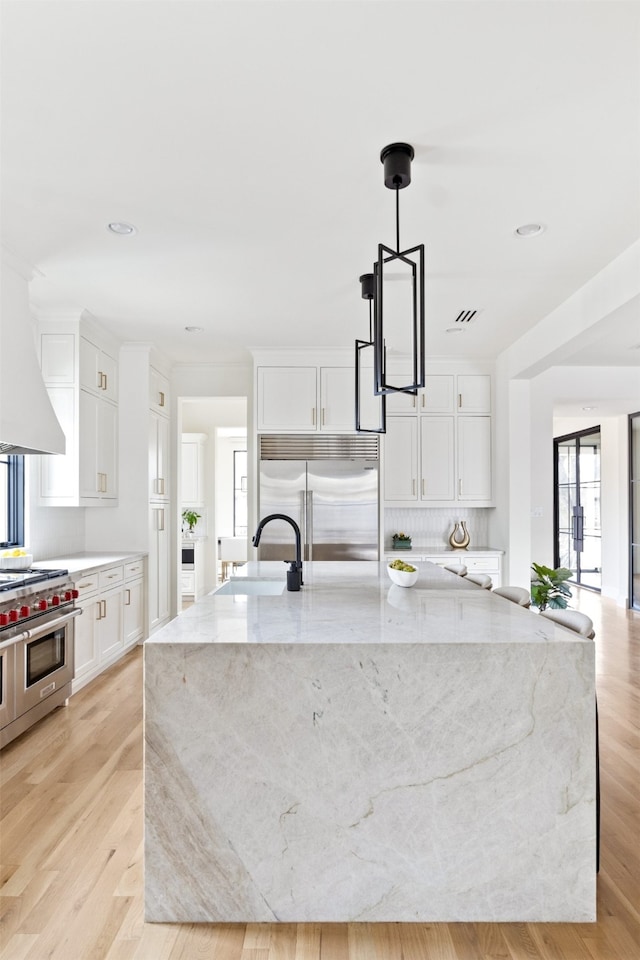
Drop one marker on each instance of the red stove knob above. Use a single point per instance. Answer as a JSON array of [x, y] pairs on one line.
[[42, 604], [68, 595], [4, 619], [75, 594], [24, 611], [13, 615], [55, 600]]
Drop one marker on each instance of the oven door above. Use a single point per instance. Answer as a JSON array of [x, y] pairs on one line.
[[44, 660], [7, 692]]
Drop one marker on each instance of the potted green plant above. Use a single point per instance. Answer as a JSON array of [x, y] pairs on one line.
[[190, 517], [401, 541], [548, 587]]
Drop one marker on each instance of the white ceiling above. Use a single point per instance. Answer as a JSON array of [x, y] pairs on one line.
[[243, 139]]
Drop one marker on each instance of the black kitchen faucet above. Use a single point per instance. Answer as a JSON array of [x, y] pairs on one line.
[[294, 573]]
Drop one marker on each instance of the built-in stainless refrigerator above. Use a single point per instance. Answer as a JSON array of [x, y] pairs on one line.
[[330, 486]]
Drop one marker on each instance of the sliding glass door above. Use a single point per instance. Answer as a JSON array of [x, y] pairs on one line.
[[577, 506]]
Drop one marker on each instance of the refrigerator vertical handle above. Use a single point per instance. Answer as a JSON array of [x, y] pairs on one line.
[[310, 524], [303, 523]]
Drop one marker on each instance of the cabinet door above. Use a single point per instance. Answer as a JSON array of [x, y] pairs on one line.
[[401, 402], [337, 399], [437, 396], [86, 655], [110, 635], [474, 393], [133, 611], [474, 458], [287, 398], [158, 392], [158, 565], [98, 370], [107, 449], [437, 480], [57, 358], [158, 457], [401, 459], [90, 482]]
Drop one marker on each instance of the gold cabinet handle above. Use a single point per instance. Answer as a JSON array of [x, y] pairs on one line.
[[459, 400], [313, 416], [161, 399], [322, 420], [460, 486], [160, 519], [127, 602]]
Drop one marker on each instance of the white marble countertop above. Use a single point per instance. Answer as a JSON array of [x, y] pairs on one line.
[[84, 561], [355, 602], [445, 550]]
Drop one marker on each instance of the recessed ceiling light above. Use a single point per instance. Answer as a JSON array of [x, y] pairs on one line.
[[529, 230], [121, 228], [589, 408], [194, 329], [455, 329]]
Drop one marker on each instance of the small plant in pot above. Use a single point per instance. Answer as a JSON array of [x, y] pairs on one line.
[[191, 518], [401, 541], [548, 587]]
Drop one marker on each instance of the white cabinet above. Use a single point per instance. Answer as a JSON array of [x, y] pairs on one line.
[[309, 399], [436, 397], [474, 393], [437, 459], [112, 602], [81, 377], [98, 370], [401, 459], [489, 562], [98, 453], [133, 605], [474, 458], [287, 398], [192, 488], [159, 460], [158, 392], [159, 565]]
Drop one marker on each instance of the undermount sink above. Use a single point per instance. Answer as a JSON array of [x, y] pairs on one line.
[[252, 587]]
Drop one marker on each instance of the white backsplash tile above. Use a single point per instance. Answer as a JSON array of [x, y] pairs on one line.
[[432, 527]]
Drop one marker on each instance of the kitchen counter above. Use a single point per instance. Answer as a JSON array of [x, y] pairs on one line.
[[363, 752], [84, 562]]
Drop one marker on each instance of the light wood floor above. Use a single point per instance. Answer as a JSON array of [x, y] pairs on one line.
[[71, 844]]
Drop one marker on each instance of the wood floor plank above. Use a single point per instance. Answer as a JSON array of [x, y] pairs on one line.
[[71, 867]]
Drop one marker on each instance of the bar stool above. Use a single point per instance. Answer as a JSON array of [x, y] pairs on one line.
[[516, 594], [581, 624], [458, 568], [481, 579], [573, 620]]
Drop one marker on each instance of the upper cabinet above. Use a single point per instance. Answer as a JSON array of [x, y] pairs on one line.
[[80, 372], [158, 392], [306, 399], [438, 446]]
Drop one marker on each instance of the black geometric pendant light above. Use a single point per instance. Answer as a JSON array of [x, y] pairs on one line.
[[398, 301], [365, 364]]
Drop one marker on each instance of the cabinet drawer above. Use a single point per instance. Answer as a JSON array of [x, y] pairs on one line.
[[134, 569], [111, 577], [87, 584], [482, 564]]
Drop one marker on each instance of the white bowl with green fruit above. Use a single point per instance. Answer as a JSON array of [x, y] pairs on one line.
[[404, 574]]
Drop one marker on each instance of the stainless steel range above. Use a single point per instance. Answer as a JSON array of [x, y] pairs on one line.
[[37, 611]]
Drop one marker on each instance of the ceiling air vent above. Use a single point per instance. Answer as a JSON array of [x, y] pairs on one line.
[[466, 317]]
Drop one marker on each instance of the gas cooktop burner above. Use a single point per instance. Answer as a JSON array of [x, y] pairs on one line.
[[11, 580]]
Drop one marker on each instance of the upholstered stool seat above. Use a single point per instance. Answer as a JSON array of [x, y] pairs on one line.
[[572, 620], [481, 579], [516, 594], [458, 568]]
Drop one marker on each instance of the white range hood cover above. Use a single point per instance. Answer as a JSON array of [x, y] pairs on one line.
[[28, 423]]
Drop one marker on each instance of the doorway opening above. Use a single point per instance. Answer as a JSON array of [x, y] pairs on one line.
[[634, 509], [577, 526]]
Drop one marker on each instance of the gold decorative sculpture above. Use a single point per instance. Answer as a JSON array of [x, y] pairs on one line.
[[459, 540]]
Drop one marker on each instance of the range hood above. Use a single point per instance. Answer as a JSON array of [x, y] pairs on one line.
[[28, 423]]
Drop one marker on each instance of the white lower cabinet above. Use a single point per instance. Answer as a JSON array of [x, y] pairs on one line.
[[112, 602], [159, 565], [489, 562]]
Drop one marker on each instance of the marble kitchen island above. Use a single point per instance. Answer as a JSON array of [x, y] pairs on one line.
[[363, 752]]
